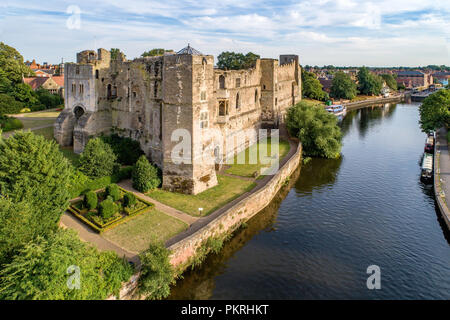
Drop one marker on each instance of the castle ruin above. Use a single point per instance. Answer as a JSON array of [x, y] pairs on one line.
[[148, 99]]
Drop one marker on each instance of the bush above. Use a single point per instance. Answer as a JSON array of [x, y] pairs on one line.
[[127, 150], [47, 99], [90, 200], [317, 130], [32, 169], [107, 208], [9, 105], [156, 272], [113, 191], [40, 271], [9, 124], [97, 159], [145, 176], [129, 199]]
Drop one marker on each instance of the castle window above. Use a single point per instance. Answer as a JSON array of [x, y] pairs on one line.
[[77, 70], [237, 101], [114, 92], [203, 119], [276, 101], [238, 82], [155, 89], [221, 82], [74, 88], [134, 94], [81, 88], [203, 95], [96, 74], [223, 110], [256, 95], [264, 87]]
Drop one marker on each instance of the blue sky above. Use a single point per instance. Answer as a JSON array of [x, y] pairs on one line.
[[343, 32]]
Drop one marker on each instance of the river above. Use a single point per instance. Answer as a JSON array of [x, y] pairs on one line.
[[336, 218]]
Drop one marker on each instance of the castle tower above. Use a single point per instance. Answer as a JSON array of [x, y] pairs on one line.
[[188, 98]]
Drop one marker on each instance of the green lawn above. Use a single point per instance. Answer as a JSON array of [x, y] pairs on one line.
[[42, 114], [29, 123], [228, 189], [247, 169], [136, 234]]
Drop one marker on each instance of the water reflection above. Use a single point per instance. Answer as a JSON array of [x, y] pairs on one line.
[[199, 283], [318, 173]]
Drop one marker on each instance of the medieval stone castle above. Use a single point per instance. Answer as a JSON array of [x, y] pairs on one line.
[[148, 99]]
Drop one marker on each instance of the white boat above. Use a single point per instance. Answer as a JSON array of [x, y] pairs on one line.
[[427, 167], [336, 109]]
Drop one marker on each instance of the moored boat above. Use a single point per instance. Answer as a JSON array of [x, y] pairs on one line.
[[427, 167], [336, 109]]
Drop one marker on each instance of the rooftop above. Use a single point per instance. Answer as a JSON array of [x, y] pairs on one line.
[[190, 50]]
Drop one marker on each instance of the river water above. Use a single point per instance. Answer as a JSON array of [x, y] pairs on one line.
[[336, 218]]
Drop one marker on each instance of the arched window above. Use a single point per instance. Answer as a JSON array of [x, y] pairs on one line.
[[222, 108], [256, 95], [221, 82], [114, 92], [78, 112], [237, 101], [96, 74], [108, 91]]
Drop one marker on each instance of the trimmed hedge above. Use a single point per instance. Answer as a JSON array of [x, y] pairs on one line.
[[107, 208], [145, 176], [129, 199], [90, 200], [113, 191]]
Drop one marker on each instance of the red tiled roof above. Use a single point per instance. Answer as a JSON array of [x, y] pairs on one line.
[[59, 80], [35, 82]]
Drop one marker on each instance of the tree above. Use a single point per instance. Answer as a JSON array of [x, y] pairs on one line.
[[107, 208], [156, 272], [342, 86], [145, 176], [116, 54], [311, 87], [32, 169], [90, 200], [113, 191], [316, 128], [155, 52], [369, 83], [97, 159], [129, 199], [127, 150], [435, 111], [47, 269], [24, 93], [236, 61], [390, 80], [16, 227], [9, 105], [11, 64]]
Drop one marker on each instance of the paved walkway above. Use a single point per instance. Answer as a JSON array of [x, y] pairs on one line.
[[88, 235], [444, 169], [127, 185]]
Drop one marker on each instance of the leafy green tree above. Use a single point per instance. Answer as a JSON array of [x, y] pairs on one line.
[[9, 105], [40, 271], [97, 159], [369, 83], [316, 128], [11, 64], [390, 80], [156, 272], [435, 111], [155, 52], [236, 61], [343, 86], [113, 191], [48, 99], [127, 150], [116, 54], [24, 93], [311, 87], [17, 227], [107, 208], [5, 83], [32, 169], [145, 176], [90, 200]]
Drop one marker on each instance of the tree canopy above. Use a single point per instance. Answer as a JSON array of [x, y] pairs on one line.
[[12, 65], [390, 80], [33, 169], [155, 52], [343, 86], [316, 128], [435, 111], [236, 61], [97, 159], [311, 87], [46, 269], [368, 82]]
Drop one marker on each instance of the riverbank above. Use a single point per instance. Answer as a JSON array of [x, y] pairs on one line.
[[365, 103], [442, 175]]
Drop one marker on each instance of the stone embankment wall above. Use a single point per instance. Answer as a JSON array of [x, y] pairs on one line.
[[365, 103], [438, 192], [232, 218]]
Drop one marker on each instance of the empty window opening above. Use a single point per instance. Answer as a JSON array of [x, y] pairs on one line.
[[221, 82], [237, 101], [96, 74], [238, 82], [204, 119]]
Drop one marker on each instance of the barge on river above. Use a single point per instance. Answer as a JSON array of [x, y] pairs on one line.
[[426, 174]]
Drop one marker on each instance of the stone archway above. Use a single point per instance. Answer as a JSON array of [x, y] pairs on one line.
[[78, 111]]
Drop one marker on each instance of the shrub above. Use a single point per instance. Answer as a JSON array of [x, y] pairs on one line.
[[9, 124], [32, 169], [9, 105], [317, 130], [90, 200], [97, 159], [40, 270], [129, 199], [127, 150], [144, 175], [113, 191], [107, 208], [25, 110], [156, 272]]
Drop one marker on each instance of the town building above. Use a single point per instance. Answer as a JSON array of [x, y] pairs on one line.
[[155, 100], [414, 79], [442, 77], [53, 84]]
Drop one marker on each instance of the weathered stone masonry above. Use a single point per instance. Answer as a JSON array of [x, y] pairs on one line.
[[148, 99]]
